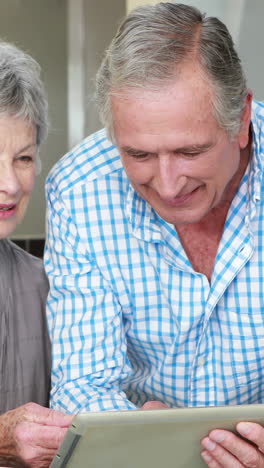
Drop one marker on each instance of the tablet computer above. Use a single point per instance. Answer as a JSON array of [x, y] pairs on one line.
[[167, 438]]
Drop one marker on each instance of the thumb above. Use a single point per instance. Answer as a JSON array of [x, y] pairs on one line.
[[150, 405]]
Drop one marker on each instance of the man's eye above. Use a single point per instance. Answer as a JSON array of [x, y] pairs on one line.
[[191, 155], [140, 156]]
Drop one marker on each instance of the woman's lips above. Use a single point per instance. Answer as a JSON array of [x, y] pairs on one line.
[[7, 211]]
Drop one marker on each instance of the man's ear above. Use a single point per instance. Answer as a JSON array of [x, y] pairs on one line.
[[243, 136]]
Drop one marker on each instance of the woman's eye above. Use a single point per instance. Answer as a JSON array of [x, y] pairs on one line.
[[25, 159]]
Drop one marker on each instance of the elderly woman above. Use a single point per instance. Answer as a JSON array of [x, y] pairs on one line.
[[27, 429]]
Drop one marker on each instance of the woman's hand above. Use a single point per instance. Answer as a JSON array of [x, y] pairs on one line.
[[33, 432]]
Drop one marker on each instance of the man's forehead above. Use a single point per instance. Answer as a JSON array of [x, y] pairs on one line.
[[190, 71]]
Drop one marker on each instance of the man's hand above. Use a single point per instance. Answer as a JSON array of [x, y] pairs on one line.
[[33, 432], [224, 449]]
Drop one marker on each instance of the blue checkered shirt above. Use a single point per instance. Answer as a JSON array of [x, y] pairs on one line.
[[130, 320]]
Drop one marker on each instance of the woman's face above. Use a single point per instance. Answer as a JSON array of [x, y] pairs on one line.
[[18, 160]]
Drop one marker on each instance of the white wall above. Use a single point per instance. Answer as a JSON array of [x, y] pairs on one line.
[[100, 26], [130, 4], [250, 45], [91, 27]]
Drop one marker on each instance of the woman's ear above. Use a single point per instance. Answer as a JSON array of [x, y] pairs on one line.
[[243, 136]]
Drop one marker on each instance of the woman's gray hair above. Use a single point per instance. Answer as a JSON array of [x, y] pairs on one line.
[[153, 40], [22, 92]]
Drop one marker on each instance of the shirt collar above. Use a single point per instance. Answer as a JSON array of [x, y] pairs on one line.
[[143, 219], [256, 162]]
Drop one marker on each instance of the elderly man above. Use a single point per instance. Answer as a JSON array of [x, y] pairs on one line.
[[155, 233]]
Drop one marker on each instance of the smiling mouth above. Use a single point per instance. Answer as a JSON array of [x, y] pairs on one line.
[[7, 211], [7, 208], [181, 199]]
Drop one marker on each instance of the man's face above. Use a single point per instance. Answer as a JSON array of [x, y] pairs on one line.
[[173, 150]]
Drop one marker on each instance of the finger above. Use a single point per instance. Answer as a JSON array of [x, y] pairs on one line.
[[253, 432], [36, 444], [35, 435], [37, 457], [247, 454], [209, 460], [220, 457], [41, 415]]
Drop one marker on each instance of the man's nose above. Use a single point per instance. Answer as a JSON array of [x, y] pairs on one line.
[[170, 179], [9, 182]]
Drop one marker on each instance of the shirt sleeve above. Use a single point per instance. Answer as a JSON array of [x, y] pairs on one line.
[[85, 321]]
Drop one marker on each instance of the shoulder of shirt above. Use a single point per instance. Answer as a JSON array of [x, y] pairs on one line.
[[95, 157]]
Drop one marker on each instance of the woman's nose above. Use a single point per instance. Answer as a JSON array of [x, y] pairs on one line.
[[9, 182]]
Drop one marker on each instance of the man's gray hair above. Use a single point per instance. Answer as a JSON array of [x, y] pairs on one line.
[[153, 40], [22, 93]]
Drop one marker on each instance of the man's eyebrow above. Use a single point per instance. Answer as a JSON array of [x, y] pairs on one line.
[[133, 151], [193, 148], [182, 149]]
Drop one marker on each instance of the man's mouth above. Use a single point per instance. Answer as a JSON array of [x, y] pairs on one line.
[[180, 199]]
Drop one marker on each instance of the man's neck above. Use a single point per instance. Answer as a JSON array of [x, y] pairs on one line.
[[201, 240]]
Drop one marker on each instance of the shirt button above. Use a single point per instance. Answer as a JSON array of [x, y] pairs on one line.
[[201, 361]]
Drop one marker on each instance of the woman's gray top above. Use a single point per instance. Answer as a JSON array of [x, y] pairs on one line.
[[24, 341]]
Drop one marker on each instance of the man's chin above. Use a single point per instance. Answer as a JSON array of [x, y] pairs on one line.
[[183, 219]]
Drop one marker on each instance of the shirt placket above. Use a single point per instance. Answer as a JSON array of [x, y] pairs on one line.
[[203, 387]]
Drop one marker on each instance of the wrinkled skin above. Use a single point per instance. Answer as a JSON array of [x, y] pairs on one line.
[[33, 433]]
